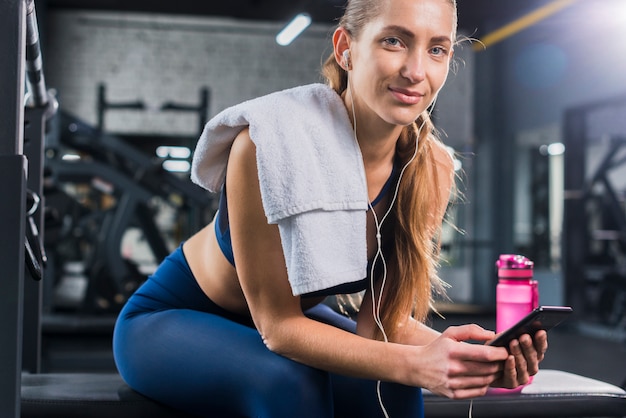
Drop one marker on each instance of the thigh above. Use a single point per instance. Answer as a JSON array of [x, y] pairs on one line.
[[324, 313], [211, 366], [359, 398]]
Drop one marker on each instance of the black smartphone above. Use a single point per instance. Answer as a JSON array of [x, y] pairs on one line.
[[544, 317]]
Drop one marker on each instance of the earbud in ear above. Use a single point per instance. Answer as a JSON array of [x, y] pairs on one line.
[[346, 59]]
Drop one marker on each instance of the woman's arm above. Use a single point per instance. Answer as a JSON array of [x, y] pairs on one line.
[[447, 366], [261, 269], [412, 332]]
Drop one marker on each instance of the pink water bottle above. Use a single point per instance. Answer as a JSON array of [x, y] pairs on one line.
[[517, 293]]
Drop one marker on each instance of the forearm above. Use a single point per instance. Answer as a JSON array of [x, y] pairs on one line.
[[412, 332], [416, 333], [328, 348]]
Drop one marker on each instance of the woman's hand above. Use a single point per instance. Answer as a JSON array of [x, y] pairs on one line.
[[459, 370], [523, 361]]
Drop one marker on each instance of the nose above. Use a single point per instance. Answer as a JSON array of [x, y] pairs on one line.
[[414, 68]]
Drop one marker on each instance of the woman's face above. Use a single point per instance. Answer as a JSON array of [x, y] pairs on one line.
[[401, 59]]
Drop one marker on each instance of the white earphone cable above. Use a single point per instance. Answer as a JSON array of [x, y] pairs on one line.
[[377, 301]]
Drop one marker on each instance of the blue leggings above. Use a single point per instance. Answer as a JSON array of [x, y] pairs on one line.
[[174, 345]]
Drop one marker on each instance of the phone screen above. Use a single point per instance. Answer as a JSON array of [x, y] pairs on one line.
[[542, 318]]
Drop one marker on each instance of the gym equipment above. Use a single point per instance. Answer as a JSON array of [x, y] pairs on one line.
[[607, 230], [80, 395], [124, 188], [202, 109], [17, 24], [552, 394], [123, 185], [104, 105], [594, 241]]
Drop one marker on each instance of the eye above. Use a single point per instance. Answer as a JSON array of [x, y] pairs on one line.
[[439, 51], [392, 41]]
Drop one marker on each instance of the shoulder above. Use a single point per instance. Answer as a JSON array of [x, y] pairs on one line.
[[242, 177], [243, 149]]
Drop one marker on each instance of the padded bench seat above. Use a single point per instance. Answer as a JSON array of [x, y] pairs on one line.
[[552, 394], [86, 395]]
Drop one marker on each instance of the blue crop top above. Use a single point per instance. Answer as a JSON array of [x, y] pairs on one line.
[[222, 233]]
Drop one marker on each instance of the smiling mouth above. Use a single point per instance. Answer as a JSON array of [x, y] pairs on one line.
[[406, 96]]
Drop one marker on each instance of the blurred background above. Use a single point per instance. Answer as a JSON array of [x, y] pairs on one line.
[[535, 111]]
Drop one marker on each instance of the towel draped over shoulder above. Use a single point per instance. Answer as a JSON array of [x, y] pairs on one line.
[[311, 177]]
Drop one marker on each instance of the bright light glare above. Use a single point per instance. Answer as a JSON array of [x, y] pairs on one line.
[[70, 157], [293, 29], [556, 148], [177, 166], [173, 152]]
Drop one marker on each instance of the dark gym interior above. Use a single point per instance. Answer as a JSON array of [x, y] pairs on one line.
[[113, 105]]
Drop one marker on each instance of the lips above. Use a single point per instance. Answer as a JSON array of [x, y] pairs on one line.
[[406, 96]]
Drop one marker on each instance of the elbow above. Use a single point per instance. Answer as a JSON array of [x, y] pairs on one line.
[[273, 339], [279, 336], [270, 342]]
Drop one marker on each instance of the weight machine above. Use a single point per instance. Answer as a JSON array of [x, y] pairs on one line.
[[594, 232], [128, 181]]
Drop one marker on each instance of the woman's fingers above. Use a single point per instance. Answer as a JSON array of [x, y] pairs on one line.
[[468, 332], [521, 362], [540, 342], [473, 368], [463, 387]]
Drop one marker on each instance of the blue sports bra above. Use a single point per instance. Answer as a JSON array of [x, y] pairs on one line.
[[222, 233]]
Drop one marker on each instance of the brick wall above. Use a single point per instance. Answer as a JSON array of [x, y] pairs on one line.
[[156, 58]]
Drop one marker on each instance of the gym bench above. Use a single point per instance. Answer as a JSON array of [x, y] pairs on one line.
[[82, 395], [552, 394]]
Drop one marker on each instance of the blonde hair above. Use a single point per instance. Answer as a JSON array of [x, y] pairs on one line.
[[415, 251]]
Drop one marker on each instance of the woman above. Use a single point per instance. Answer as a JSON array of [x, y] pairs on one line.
[[326, 189]]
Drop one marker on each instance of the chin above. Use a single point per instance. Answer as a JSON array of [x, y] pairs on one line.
[[403, 120], [404, 116]]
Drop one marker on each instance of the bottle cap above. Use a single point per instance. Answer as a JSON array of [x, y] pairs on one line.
[[514, 266]]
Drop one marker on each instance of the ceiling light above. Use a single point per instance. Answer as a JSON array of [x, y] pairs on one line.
[[165, 151], [556, 148], [293, 29], [70, 157], [177, 166]]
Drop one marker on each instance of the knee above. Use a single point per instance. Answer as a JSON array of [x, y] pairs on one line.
[[288, 388]]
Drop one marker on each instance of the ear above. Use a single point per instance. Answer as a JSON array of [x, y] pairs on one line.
[[341, 43]]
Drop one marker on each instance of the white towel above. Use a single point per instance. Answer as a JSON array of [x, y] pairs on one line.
[[311, 176]]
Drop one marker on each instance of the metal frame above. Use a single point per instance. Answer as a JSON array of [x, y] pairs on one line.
[[19, 38], [40, 107], [12, 202], [34, 134]]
